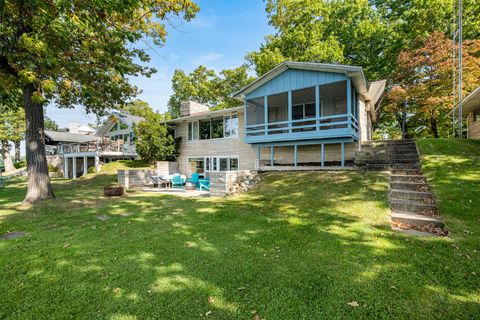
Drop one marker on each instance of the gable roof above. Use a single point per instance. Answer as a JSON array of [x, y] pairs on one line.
[[470, 102], [123, 117], [353, 72], [53, 137]]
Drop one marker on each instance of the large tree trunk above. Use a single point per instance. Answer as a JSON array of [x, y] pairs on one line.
[[17, 151], [433, 126], [7, 158], [39, 187]]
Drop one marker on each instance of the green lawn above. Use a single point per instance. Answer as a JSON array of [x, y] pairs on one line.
[[299, 246]]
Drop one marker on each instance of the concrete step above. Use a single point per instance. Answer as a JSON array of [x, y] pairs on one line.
[[387, 156], [404, 166], [415, 219], [407, 178], [414, 206], [412, 232], [412, 186], [411, 195], [388, 142], [386, 161], [409, 172]]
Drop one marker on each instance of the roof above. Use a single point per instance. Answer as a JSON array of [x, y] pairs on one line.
[[85, 128], [129, 118], [470, 102], [376, 91], [353, 72], [209, 114], [60, 136]]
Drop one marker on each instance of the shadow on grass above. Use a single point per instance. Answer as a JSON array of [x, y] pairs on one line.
[[297, 246]]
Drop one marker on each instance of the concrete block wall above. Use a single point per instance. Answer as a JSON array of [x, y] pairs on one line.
[[165, 168], [221, 182], [132, 178], [189, 108]]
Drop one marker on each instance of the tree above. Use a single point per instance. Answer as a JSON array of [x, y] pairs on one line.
[[205, 86], [155, 141], [138, 107], [424, 74], [75, 53], [12, 128], [50, 124]]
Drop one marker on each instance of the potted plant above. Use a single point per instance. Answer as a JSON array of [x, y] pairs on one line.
[[114, 189]]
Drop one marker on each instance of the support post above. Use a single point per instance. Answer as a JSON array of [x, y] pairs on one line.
[[265, 113], [295, 155], [259, 155], [317, 107], [322, 161], [290, 111], [342, 163], [85, 165], [97, 163], [272, 156], [349, 102], [65, 167], [74, 167]]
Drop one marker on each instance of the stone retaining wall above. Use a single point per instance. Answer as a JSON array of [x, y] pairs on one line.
[[166, 168], [221, 182], [132, 178]]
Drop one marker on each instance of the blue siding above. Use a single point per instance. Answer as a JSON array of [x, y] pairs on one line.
[[295, 79]]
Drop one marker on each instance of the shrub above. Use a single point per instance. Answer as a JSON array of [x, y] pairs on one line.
[[20, 164], [91, 170], [52, 168]]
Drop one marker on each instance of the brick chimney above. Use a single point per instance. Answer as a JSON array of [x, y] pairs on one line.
[[189, 108]]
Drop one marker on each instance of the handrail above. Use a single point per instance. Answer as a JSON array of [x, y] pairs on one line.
[[345, 115]]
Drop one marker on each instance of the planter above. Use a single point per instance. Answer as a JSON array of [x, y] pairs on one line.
[[190, 186], [113, 191]]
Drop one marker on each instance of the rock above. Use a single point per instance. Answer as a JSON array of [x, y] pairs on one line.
[[12, 235], [103, 217]]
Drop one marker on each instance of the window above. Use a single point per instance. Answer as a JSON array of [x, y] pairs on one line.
[[205, 129], [224, 164], [233, 164], [190, 131], [214, 164], [123, 126], [255, 111], [277, 112], [221, 163], [303, 107], [115, 127], [196, 165], [217, 128], [231, 126], [333, 98]]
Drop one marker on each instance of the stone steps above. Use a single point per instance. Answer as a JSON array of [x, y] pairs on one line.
[[410, 186], [415, 219], [396, 178], [399, 194], [413, 206]]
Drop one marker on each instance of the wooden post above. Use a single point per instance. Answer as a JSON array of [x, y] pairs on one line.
[[342, 163], [317, 107], [322, 161], [65, 167], [295, 155], [272, 156], [289, 111], [85, 165], [265, 113], [74, 168]]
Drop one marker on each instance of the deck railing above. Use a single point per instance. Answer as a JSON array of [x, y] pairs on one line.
[[315, 127]]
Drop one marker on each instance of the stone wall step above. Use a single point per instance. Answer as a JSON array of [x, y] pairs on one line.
[[415, 219], [410, 195], [409, 172], [414, 206], [408, 178], [413, 186], [403, 166]]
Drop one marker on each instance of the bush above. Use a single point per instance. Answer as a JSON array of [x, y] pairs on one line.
[[91, 170], [52, 168], [20, 164]]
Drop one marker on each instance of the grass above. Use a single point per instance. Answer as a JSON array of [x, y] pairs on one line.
[[299, 246]]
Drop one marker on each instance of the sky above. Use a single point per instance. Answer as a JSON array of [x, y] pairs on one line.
[[220, 36]]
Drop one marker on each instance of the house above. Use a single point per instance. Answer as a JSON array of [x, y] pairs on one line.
[[297, 116], [80, 148], [471, 110]]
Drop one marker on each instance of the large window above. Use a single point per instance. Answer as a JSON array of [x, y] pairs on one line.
[[217, 128], [205, 129], [220, 127], [231, 126], [333, 98], [255, 111], [206, 164], [303, 108]]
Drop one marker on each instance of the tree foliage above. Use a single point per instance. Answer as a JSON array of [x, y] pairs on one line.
[[74, 52], [206, 86], [424, 80], [155, 141]]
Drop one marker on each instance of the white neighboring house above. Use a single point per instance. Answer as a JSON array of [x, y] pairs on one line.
[[83, 147]]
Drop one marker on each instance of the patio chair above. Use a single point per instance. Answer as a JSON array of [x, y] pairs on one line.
[[178, 180], [204, 184], [194, 178]]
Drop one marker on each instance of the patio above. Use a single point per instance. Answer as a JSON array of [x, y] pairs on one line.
[[176, 191]]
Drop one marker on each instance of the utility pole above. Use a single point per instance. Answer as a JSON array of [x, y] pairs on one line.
[[457, 67]]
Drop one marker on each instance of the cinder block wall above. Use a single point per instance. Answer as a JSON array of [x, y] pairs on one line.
[[221, 182], [166, 168], [132, 178]]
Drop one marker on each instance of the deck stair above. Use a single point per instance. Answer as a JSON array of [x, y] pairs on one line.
[[412, 205]]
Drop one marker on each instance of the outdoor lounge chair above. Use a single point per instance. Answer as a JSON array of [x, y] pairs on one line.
[[204, 184], [194, 178], [178, 180]]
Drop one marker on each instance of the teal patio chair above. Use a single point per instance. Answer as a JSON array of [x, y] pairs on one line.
[[177, 180], [194, 178], [204, 184]]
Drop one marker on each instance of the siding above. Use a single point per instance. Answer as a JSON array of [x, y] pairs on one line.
[[295, 79], [474, 130], [215, 147]]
